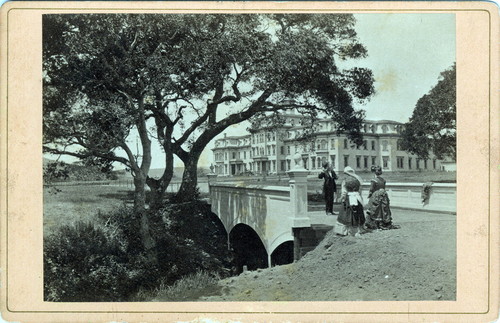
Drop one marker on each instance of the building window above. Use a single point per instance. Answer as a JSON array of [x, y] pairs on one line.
[[384, 128], [346, 144], [373, 128], [245, 154], [434, 163], [313, 163], [358, 161], [374, 160], [346, 160], [409, 162], [274, 165], [332, 158], [365, 160], [365, 145], [274, 150], [288, 163], [385, 162], [282, 150], [399, 145], [225, 156], [283, 165], [384, 145], [373, 144], [418, 163], [288, 150], [425, 163], [324, 144], [400, 162]]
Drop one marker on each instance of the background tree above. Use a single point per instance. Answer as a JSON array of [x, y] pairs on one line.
[[432, 127], [184, 79]]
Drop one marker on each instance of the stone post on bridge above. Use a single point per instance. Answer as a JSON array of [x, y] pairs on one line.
[[298, 201], [212, 178]]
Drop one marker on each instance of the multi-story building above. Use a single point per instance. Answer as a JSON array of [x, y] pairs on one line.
[[271, 150]]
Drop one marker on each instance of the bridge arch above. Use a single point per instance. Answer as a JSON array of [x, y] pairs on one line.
[[282, 254], [248, 248]]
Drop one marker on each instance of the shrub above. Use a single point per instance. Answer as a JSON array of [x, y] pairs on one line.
[[188, 288], [83, 262], [106, 261]]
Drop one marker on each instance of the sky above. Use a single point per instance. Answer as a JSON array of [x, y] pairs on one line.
[[406, 53]]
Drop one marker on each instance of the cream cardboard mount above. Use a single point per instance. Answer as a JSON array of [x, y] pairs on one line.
[[21, 192]]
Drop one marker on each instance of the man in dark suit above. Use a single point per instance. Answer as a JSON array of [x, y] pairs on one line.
[[329, 186]]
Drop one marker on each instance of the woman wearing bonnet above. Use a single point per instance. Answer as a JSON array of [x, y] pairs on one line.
[[378, 208], [351, 218]]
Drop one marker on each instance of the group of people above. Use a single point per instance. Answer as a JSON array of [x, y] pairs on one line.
[[352, 219]]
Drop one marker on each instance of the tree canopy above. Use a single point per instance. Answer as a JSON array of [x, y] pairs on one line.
[[182, 79], [432, 127]]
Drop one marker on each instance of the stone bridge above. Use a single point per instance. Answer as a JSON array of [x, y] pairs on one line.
[[271, 225]]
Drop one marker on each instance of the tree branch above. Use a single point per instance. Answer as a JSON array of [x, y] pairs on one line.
[[91, 153]]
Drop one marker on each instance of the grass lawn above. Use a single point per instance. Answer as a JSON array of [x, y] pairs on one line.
[[80, 202]]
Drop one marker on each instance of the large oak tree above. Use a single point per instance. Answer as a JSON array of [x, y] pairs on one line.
[[183, 79]]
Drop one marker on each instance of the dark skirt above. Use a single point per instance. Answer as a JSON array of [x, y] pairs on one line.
[[351, 215], [378, 210]]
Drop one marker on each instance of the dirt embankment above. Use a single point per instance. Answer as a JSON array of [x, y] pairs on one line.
[[416, 262]]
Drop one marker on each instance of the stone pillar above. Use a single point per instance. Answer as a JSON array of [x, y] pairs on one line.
[[212, 178], [298, 193]]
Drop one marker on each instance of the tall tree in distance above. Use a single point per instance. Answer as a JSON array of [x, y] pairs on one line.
[[432, 127]]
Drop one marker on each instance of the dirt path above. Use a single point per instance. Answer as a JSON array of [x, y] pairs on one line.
[[416, 262]]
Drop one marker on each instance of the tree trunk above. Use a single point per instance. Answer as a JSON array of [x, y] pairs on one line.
[[188, 190], [142, 214]]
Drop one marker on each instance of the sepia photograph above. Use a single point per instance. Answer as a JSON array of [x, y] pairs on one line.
[[249, 157], [249, 161]]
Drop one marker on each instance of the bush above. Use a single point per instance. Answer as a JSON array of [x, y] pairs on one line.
[[106, 261], [188, 288], [83, 262], [318, 196]]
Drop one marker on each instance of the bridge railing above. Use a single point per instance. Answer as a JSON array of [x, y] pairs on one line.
[[442, 197]]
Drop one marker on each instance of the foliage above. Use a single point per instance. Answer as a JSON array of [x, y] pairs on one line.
[[106, 260], [55, 171], [88, 171], [432, 126], [188, 288], [108, 76], [82, 262]]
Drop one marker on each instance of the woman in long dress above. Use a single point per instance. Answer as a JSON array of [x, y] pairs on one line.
[[351, 218], [378, 209]]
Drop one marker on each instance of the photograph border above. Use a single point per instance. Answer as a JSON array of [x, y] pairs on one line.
[[5, 173]]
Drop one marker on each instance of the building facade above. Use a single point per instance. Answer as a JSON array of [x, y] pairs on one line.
[[271, 151]]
